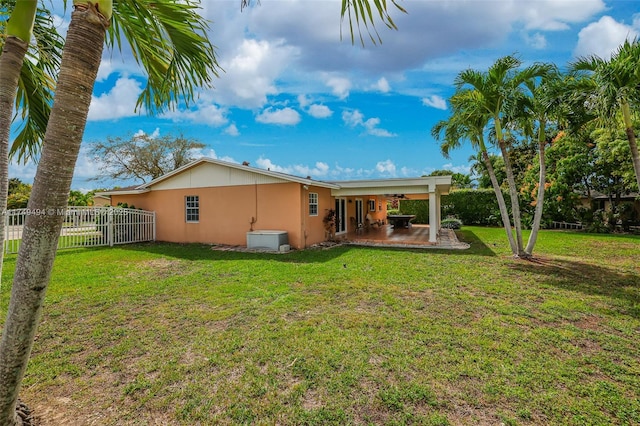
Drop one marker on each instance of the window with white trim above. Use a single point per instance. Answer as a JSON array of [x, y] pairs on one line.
[[313, 204], [192, 208]]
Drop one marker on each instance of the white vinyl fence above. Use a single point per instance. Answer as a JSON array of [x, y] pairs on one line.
[[88, 227]]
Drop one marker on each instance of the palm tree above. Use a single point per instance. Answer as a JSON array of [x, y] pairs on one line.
[[533, 117], [615, 87], [168, 37], [26, 83], [498, 90], [468, 122]]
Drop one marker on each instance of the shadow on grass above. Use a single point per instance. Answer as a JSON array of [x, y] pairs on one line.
[[309, 255], [588, 279]]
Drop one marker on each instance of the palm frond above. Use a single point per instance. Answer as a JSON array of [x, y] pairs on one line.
[[168, 39]]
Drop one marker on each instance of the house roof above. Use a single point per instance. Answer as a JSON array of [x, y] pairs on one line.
[[395, 185]]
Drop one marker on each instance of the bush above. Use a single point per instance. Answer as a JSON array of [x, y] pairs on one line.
[[474, 206], [419, 208], [393, 211], [451, 223]]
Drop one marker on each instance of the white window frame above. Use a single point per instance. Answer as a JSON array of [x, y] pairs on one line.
[[313, 204], [192, 208]]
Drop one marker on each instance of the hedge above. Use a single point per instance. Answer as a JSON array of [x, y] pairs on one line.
[[471, 206]]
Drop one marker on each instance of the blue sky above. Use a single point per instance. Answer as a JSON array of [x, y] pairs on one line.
[[297, 99]]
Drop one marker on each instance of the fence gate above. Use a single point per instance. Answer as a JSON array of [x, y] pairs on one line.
[[88, 227]]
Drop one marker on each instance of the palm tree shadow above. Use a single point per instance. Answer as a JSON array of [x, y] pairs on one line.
[[588, 279]]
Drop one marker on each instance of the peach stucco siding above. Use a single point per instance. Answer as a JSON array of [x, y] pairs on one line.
[[227, 213]]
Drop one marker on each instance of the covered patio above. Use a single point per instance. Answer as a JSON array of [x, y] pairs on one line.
[[429, 188], [417, 236]]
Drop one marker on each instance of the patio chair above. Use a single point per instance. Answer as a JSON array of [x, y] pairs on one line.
[[355, 225]]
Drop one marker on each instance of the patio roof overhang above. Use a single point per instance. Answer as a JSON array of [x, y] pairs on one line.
[[422, 185]]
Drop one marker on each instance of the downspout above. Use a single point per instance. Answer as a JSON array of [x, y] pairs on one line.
[[254, 219]]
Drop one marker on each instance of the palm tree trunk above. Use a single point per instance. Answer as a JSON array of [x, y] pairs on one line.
[[513, 190], [537, 216], [504, 213], [515, 201], [631, 136], [79, 67], [11, 61]]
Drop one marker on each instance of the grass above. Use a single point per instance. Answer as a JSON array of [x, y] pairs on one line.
[[186, 335]]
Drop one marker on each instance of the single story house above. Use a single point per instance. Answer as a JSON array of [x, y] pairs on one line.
[[213, 201]]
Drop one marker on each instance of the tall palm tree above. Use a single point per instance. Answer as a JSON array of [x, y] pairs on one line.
[[533, 117], [498, 90], [28, 84], [615, 90], [169, 38], [468, 122]]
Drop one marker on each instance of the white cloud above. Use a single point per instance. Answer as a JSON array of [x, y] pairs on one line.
[[210, 114], [603, 37], [435, 101], [319, 170], [386, 167], [251, 71], [204, 152], [464, 169], [118, 103], [232, 130], [382, 85], [319, 111], [355, 119], [340, 86], [304, 101], [537, 41], [554, 15], [153, 134], [285, 116]]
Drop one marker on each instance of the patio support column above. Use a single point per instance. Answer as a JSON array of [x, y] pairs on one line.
[[434, 223]]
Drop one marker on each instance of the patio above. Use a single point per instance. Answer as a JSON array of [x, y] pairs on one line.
[[417, 236]]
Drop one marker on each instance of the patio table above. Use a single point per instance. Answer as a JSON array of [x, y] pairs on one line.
[[400, 220]]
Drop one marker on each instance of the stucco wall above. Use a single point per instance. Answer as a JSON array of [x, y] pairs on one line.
[[226, 213]]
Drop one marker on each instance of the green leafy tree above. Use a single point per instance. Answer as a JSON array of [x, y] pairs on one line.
[[18, 195], [458, 180], [613, 93], [143, 157]]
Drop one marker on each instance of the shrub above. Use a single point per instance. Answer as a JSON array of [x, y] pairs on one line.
[[419, 208], [451, 223], [473, 206]]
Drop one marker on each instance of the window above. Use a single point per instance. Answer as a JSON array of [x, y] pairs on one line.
[[192, 205], [372, 205], [313, 204]]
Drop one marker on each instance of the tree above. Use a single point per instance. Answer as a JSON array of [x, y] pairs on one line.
[[458, 180], [615, 91], [143, 157], [18, 195], [168, 37], [497, 91], [467, 122]]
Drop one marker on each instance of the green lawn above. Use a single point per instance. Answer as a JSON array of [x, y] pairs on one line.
[[182, 334]]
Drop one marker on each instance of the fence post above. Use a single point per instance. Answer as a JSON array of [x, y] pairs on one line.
[[110, 226], [154, 225]]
